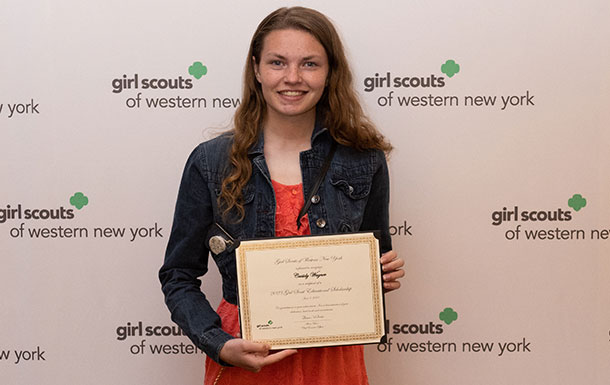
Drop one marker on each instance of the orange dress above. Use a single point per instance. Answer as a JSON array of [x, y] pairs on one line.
[[340, 365]]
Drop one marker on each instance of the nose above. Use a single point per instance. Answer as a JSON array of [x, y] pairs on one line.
[[293, 74]]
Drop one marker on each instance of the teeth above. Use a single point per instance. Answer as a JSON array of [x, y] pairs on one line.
[[291, 93]]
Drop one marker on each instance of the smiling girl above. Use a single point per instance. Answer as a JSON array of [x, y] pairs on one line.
[[298, 102]]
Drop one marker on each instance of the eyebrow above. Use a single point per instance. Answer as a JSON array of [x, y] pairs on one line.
[[277, 55]]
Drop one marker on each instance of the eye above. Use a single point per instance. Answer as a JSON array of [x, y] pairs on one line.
[[310, 64], [276, 63]]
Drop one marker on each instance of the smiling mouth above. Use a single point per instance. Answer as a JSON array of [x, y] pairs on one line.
[[292, 93]]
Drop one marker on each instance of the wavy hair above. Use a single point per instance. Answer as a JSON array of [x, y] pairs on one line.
[[338, 106]]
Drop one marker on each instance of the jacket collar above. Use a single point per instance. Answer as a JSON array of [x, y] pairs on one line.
[[257, 148]]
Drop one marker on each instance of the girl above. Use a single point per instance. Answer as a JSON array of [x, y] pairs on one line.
[[251, 182]]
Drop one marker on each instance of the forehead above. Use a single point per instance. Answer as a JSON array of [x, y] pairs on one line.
[[291, 42]]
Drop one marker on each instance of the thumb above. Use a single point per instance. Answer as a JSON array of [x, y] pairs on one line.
[[255, 347]]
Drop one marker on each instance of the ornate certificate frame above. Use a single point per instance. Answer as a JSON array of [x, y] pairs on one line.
[[310, 291]]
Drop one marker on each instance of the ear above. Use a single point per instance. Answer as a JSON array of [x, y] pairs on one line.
[[256, 68]]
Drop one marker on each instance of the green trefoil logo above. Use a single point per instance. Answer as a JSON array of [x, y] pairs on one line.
[[79, 200], [450, 68], [197, 69], [448, 315], [577, 202]]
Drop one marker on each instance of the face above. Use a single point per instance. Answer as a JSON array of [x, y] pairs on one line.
[[292, 72]]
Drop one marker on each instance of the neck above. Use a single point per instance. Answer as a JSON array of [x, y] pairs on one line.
[[290, 131]]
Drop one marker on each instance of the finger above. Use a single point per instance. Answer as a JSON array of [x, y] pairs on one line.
[[255, 347], [388, 256], [275, 357], [393, 265], [394, 275], [256, 363], [389, 286]]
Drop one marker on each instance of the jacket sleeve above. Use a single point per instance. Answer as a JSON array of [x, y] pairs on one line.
[[377, 211], [186, 259]]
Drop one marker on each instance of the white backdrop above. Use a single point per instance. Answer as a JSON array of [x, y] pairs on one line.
[[500, 182]]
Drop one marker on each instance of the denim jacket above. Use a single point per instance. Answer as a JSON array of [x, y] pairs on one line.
[[353, 197]]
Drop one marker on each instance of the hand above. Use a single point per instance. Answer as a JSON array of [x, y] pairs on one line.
[[251, 356], [391, 267]]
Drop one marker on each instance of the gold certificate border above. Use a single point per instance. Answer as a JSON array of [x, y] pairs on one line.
[[312, 241]]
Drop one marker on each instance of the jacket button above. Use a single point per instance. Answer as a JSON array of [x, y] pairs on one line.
[[321, 223], [217, 244], [350, 189], [315, 199]]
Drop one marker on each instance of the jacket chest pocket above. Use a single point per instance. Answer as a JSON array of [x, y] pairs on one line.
[[352, 193]]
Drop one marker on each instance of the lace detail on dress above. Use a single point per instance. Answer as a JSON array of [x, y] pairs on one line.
[[289, 201]]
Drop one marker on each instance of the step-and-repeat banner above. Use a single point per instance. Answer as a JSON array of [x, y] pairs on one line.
[[500, 115]]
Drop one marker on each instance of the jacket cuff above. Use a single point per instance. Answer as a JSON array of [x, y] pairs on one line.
[[214, 340]]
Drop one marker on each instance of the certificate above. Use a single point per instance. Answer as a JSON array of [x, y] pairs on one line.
[[311, 291]]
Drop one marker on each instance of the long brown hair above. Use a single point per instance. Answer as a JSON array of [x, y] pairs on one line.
[[339, 105]]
